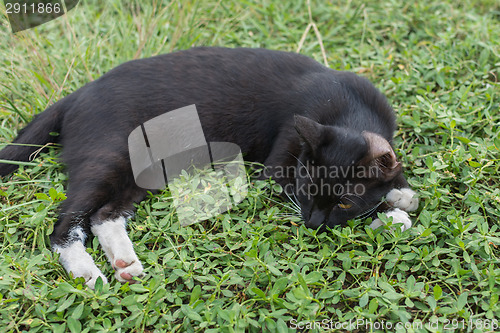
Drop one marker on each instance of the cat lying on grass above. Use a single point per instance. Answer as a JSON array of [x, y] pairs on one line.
[[331, 131]]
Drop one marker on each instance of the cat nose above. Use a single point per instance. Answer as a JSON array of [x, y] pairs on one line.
[[316, 220]]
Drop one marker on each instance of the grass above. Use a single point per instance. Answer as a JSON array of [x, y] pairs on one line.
[[257, 268]]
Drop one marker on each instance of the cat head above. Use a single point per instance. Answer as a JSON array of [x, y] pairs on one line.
[[341, 173]]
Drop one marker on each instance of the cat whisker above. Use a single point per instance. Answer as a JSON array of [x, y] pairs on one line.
[[297, 202], [369, 211], [292, 208], [293, 202], [349, 199], [308, 174], [355, 195], [284, 215]]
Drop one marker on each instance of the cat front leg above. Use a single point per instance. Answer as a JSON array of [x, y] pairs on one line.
[[118, 247], [402, 199], [402, 196], [398, 216]]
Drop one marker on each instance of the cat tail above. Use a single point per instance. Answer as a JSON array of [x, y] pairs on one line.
[[32, 138]]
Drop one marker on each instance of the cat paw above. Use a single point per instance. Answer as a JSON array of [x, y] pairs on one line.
[[79, 263], [125, 271], [118, 248], [404, 199], [91, 278], [398, 216]]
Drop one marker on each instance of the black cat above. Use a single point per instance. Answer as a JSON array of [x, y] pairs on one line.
[[323, 134]]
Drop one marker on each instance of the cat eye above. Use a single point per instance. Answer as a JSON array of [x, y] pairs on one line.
[[344, 206]]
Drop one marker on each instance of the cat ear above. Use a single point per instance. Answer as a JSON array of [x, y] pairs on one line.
[[381, 160], [309, 130]]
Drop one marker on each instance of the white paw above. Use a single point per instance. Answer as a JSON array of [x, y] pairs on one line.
[[398, 216], [76, 260], [125, 271], [404, 199], [118, 248], [91, 279]]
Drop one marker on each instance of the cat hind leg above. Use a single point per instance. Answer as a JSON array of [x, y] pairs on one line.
[[99, 203], [76, 260], [68, 240], [118, 247]]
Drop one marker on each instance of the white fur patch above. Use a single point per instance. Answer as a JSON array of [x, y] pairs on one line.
[[118, 247], [77, 233], [398, 216], [76, 260], [404, 199]]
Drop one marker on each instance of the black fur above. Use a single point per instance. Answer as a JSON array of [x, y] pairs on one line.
[[245, 96]]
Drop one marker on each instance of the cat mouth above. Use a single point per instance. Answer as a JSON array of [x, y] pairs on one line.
[[315, 217]]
